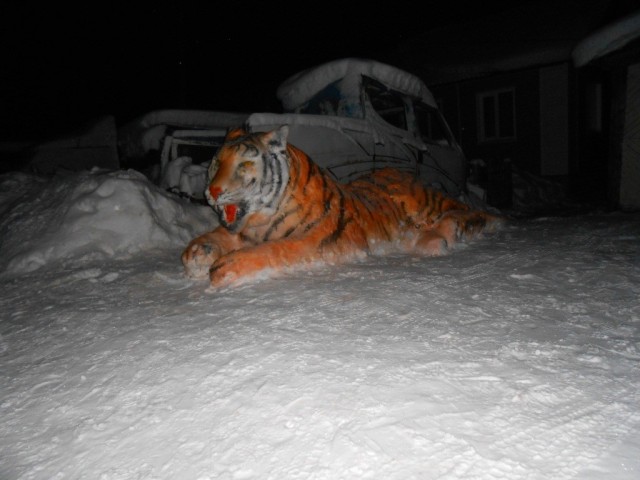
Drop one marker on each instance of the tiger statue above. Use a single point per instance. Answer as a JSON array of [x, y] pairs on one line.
[[278, 210]]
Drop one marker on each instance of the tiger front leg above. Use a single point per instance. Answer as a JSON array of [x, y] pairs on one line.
[[203, 251], [267, 258], [232, 268]]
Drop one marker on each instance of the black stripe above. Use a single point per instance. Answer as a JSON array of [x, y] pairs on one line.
[[215, 268], [340, 226], [316, 221], [265, 165], [289, 231], [371, 199], [363, 210], [311, 172], [432, 205], [373, 189], [281, 218], [248, 147], [278, 168], [244, 238], [309, 226], [327, 202]]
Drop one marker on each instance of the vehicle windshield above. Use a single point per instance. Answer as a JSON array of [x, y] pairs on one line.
[[431, 125], [387, 103], [333, 100]]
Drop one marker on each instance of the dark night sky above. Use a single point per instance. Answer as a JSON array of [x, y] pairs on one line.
[[64, 66]]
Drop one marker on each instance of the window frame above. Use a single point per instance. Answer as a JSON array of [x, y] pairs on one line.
[[481, 117]]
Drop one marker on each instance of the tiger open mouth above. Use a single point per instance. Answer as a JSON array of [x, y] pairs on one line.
[[230, 215], [230, 212]]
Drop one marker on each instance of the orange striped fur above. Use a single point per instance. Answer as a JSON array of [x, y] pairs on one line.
[[278, 209]]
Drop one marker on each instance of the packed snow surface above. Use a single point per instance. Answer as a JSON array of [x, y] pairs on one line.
[[515, 357]]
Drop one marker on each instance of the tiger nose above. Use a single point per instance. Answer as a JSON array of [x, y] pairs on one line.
[[214, 191]]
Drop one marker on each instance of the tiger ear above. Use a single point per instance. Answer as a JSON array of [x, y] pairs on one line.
[[234, 133], [277, 137]]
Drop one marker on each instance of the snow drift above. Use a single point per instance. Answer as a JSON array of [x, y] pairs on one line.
[[92, 214]]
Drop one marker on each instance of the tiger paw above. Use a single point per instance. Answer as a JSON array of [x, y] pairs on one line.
[[432, 244], [235, 268], [222, 276], [198, 257]]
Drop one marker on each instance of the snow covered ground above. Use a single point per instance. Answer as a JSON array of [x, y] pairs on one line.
[[515, 357]]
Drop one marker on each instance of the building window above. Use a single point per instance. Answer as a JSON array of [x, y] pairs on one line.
[[496, 115]]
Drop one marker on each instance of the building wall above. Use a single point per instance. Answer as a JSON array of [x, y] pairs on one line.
[[630, 171], [554, 120], [591, 107], [459, 105]]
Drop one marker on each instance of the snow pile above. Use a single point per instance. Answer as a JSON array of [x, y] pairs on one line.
[[183, 176], [93, 214], [17, 187]]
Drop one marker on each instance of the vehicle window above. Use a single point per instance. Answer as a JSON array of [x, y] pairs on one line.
[[387, 103], [197, 153], [325, 102], [430, 124], [199, 145]]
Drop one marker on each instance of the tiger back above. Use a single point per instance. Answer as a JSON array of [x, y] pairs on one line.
[[278, 210]]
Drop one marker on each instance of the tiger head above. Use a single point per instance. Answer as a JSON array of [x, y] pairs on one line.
[[248, 175]]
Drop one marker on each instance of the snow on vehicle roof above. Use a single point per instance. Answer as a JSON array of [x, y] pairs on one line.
[[608, 39], [147, 131], [299, 88]]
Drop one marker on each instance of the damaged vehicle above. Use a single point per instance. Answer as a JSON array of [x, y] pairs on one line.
[[349, 115]]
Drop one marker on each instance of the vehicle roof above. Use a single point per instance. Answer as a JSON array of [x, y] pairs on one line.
[[299, 88]]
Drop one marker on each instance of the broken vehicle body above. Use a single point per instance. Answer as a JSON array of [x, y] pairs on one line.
[[350, 116]]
